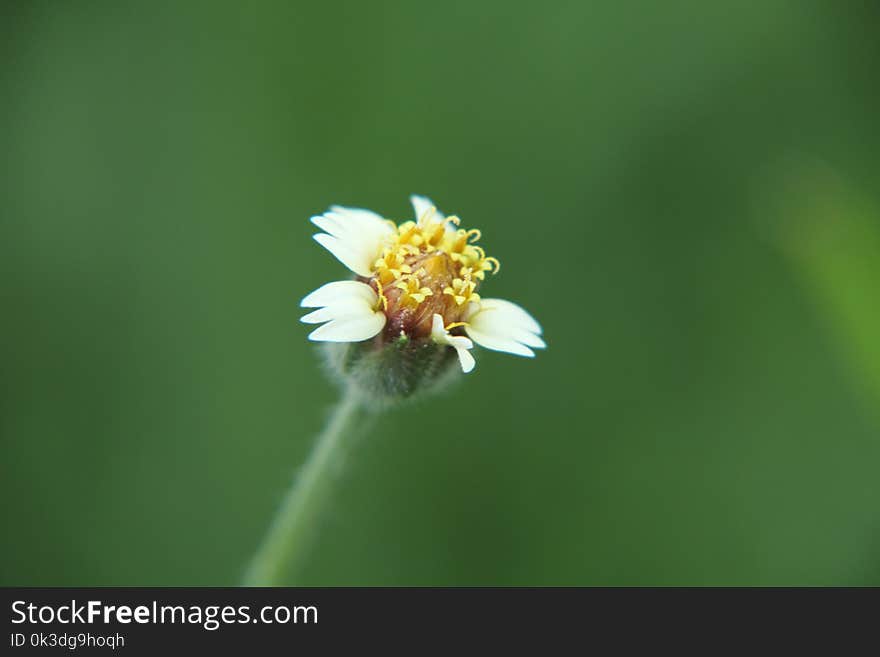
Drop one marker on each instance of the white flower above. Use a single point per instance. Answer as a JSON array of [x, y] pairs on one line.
[[419, 282]]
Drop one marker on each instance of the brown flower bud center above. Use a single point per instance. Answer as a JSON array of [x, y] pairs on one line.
[[415, 298]]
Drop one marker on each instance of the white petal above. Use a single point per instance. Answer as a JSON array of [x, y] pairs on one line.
[[318, 316], [422, 204], [354, 236], [460, 343], [498, 343], [329, 224], [466, 360], [438, 331], [339, 290], [351, 329], [504, 326], [352, 225], [462, 346], [359, 212], [358, 260], [513, 314], [339, 310], [528, 338], [348, 307]]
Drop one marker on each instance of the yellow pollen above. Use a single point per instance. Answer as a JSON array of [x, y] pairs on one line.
[[413, 290], [420, 259], [462, 290], [391, 266]]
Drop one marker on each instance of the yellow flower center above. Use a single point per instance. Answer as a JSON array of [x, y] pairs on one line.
[[429, 266]]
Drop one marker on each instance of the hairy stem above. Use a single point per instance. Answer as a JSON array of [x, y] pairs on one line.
[[291, 529]]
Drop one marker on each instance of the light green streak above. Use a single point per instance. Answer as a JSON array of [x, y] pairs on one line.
[[832, 237], [293, 526]]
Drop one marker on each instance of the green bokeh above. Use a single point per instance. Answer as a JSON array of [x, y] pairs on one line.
[[693, 420]]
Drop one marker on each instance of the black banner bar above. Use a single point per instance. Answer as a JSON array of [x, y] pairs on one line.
[[414, 620]]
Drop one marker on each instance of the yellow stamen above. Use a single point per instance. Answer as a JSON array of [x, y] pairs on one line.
[[413, 290], [383, 300], [427, 255], [461, 290]]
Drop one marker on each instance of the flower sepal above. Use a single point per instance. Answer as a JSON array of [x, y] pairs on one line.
[[390, 372]]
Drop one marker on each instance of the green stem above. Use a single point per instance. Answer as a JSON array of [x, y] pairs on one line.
[[292, 526]]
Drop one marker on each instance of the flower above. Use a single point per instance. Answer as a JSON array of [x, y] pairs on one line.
[[416, 284]]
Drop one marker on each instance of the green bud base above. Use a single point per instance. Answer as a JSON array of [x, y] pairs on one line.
[[390, 372]]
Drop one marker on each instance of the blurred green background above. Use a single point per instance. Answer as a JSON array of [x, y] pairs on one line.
[[684, 193]]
